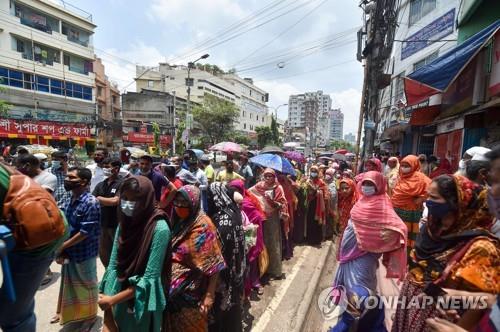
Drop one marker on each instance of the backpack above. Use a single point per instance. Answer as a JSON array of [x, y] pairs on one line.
[[30, 212]]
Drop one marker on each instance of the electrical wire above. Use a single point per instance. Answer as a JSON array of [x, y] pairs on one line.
[[286, 30]]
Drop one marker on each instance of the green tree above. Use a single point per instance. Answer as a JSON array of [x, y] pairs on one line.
[[156, 137], [275, 134], [4, 106], [264, 136], [215, 118], [340, 144], [241, 139]]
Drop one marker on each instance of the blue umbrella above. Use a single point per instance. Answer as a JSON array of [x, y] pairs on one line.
[[197, 152], [275, 162]]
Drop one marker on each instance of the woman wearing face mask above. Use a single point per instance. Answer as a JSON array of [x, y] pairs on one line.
[[289, 189], [409, 194], [374, 230], [443, 167], [223, 209], [256, 216], [196, 262], [392, 175], [332, 214], [454, 250], [373, 164], [132, 296], [348, 196], [317, 200], [272, 199]]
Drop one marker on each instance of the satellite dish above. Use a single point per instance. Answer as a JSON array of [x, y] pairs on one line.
[[281, 65]]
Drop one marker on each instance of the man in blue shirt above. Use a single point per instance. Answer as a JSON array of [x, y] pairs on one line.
[[159, 180], [78, 294], [59, 168]]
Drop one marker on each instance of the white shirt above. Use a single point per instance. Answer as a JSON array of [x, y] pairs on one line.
[[98, 175], [47, 180]]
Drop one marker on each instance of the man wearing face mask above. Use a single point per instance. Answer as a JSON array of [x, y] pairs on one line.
[[96, 168], [467, 157], [201, 178], [79, 290], [59, 168], [159, 180], [106, 193]]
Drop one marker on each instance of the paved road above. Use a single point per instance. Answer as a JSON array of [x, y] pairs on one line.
[[278, 309]]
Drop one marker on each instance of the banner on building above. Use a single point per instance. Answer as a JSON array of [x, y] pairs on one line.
[[494, 88], [34, 128], [141, 138], [438, 29]]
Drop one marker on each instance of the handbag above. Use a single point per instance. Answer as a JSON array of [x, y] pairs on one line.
[[263, 261]]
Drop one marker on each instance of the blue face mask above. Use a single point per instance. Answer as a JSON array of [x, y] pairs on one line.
[[56, 164], [127, 207], [314, 174], [437, 210], [368, 190]]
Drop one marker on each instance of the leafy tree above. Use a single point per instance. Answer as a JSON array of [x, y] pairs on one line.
[[264, 136], [156, 137], [215, 118], [275, 132], [4, 106], [340, 144], [241, 139]]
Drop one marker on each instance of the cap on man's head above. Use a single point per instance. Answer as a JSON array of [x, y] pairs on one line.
[[40, 156], [146, 157]]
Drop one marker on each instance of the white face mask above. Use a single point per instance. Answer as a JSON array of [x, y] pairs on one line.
[[127, 207], [405, 170], [314, 174], [368, 190], [107, 172], [462, 165], [56, 164]]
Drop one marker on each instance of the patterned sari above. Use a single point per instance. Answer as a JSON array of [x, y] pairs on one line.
[[196, 256], [466, 258]]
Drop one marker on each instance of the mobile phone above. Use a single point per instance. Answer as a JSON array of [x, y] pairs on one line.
[[434, 290]]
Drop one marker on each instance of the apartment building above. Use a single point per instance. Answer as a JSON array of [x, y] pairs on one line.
[[336, 124], [311, 111], [46, 68], [250, 100], [109, 126]]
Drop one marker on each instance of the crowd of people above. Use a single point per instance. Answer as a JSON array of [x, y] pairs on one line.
[[184, 245]]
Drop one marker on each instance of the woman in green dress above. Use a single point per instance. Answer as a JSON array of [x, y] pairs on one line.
[[133, 298]]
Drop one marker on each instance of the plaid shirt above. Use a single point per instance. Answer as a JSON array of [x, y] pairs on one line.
[[83, 216], [60, 194]]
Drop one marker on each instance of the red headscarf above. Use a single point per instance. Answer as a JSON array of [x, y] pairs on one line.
[[346, 202], [378, 168], [371, 217], [410, 186], [443, 169]]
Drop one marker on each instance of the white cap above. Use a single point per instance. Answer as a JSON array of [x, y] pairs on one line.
[[40, 156], [480, 157], [477, 150]]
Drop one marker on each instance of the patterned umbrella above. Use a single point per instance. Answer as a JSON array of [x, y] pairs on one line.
[[227, 147], [296, 156], [197, 152], [275, 162]]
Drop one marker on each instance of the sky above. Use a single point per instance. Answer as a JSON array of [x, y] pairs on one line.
[[286, 46]]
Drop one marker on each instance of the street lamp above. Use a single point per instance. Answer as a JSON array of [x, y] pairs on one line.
[[276, 110], [189, 84]]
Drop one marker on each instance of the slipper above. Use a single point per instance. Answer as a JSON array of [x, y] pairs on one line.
[[55, 319]]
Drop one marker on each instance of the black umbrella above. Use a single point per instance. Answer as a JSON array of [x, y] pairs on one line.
[[272, 149]]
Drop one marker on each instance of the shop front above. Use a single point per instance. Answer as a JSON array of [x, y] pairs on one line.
[[44, 132], [448, 141], [146, 139]]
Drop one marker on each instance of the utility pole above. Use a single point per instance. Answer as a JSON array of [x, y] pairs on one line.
[[189, 84], [175, 123]]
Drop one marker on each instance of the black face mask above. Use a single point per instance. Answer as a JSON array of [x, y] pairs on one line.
[[98, 159], [71, 185]]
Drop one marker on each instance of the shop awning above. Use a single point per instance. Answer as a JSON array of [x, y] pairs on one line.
[[425, 115], [437, 76]]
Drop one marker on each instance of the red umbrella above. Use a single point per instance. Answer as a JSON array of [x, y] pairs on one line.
[[227, 147], [341, 151]]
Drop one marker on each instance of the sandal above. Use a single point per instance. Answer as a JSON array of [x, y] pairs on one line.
[[55, 319]]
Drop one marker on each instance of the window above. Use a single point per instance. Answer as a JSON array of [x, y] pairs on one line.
[[99, 91], [399, 90], [428, 59], [250, 115], [113, 98], [56, 86], [257, 118], [244, 113], [151, 84], [244, 126], [420, 8]]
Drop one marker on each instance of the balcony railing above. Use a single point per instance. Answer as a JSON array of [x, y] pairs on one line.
[[36, 25]]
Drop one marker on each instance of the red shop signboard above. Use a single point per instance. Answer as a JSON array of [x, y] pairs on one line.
[[19, 127], [135, 137]]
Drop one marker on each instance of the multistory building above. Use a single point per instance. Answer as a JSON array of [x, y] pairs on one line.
[[336, 124], [46, 68]]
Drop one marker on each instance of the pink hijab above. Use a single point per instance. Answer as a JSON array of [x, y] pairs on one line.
[[374, 215]]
